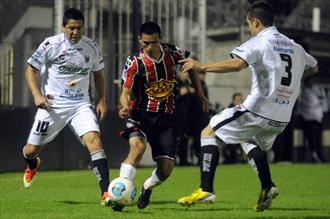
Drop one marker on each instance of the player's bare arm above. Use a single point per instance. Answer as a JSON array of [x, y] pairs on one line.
[[311, 71], [228, 65], [194, 77], [124, 99], [101, 107], [31, 79]]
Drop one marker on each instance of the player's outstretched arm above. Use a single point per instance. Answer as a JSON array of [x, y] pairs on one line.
[[225, 66]]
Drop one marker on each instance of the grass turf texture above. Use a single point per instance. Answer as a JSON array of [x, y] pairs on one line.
[[304, 193]]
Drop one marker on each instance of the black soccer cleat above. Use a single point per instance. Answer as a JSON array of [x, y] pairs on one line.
[[144, 198], [116, 207]]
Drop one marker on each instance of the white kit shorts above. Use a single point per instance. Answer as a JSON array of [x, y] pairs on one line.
[[237, 125], [47, 125]]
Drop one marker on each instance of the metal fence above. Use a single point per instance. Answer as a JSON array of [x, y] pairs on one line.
[[6, 74]]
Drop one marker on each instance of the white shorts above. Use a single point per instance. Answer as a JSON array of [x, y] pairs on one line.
[[237, 125], [47, 125]]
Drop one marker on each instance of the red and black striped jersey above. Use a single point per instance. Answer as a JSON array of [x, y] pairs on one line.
[[153, 82]]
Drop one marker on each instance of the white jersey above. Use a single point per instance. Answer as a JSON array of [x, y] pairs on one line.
[[66, 68], [277, 64]]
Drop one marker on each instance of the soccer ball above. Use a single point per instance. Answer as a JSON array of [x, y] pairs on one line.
[[122, 191]]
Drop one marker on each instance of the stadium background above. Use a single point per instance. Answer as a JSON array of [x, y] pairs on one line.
[[208, 28]]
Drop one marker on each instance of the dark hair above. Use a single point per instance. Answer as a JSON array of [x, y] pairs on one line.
[[72, 13], [262, 11], [236, 94], [150, 28]]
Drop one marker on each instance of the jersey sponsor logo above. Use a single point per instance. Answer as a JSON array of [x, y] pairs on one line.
[[72, 94], [281, 101], [70, 70], [160, 90], [283, 50]]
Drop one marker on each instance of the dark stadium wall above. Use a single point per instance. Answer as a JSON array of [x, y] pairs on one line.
[[65, 152]]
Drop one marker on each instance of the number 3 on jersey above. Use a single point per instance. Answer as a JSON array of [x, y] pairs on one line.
[[286, 81]]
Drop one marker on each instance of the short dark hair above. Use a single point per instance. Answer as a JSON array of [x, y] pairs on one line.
[[262, 11], [236, 94], [150, 28], [72, 13]]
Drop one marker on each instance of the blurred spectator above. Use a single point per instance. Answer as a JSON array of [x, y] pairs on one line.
[[313, 103], [186, 95], [199, 119], [191, 118]]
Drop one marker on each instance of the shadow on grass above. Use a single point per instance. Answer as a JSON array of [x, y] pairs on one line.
[[75, 202]]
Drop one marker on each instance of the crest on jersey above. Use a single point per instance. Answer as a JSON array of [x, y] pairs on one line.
[[86, 58], [160, 90]]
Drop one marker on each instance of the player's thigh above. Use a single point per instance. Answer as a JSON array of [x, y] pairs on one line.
[[83, 121], [234, 126], [163, 142], [268, 133], [46, 126]]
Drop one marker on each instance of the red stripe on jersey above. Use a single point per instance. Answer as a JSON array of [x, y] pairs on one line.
[[130, 73], [151, 76], [168, 65]]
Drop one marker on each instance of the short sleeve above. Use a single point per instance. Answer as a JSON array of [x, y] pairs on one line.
[[310, 60], [99, 62], [129, 71], [250, 51], [40, 56]]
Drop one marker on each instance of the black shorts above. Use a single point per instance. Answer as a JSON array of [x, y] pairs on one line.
[[159, 129]]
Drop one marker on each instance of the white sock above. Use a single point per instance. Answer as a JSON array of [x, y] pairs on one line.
[[152, 181], [127, 171]]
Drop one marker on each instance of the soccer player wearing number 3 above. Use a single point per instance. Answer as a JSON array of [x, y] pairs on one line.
[[65, 62], [277, 65]]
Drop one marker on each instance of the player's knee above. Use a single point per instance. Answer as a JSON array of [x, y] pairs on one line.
[[138, 147], [257, 154], [31, 151], [92, 140]]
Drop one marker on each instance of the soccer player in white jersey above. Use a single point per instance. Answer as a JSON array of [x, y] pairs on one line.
[[65, 62], [277, 65]]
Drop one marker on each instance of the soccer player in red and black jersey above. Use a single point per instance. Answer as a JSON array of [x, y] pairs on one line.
[[149, 81]]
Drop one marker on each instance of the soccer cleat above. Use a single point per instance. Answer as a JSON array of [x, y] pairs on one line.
[[197, 196], [265, 198], [116, 207], [105, 199], [29, 174], [144, 198]]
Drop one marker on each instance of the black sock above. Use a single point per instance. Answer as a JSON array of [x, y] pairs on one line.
[[31, 162], [101, 171], [209, 160], [258, 160]]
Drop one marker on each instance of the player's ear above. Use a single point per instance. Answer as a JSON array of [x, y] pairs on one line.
[[257, 22]]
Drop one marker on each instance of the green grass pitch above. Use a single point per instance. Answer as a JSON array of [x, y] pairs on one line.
[[304, 193]]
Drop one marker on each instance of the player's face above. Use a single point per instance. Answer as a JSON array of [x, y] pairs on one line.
[[238, 100], [252, 26], [74, 30], [150, 43]]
